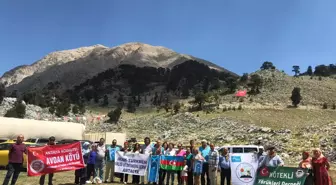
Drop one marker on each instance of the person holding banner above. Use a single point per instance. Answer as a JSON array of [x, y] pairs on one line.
[[306, 163], [213, 164], [182, 153], [146, 149], [272, 159], [110, 161], [170, 174], [205, 151], [15, 160], [197, 164], [124, 177], [162, 172], [320, 168], [225, 167], [51, 141], [136, 150], [189, 157]]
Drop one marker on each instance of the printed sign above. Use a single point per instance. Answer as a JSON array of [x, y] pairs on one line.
[[54, 158], [243, 168], [131, 163], [281, 176]]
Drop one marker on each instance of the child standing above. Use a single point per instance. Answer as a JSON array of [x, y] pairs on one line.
[[184, 174], [91, 163]]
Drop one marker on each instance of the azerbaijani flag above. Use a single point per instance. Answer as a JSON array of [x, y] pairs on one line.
[[172, 163]]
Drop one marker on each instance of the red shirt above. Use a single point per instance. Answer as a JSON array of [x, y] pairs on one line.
[[16, 153]]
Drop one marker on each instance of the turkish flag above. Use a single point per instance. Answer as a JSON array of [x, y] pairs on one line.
[[241, 93]]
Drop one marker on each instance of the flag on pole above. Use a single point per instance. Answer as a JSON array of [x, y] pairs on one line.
[[172, 163]]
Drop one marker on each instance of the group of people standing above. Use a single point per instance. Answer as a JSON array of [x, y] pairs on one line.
[[99, 159], [15, 161]]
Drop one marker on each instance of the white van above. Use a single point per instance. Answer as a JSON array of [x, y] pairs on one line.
[[241, 148]]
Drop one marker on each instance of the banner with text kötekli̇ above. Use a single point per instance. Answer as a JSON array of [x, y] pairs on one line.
[[281, 176], [54, 158]]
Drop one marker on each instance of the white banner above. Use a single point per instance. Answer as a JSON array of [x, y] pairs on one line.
[[243, 168], [131, 163]]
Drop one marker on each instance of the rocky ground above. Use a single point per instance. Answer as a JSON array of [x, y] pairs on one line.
[[221, 130]]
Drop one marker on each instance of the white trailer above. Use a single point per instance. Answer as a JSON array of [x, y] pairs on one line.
[[12, 127]]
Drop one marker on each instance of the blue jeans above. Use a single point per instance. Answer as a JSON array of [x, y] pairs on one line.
[[13, 169], [99, 170]]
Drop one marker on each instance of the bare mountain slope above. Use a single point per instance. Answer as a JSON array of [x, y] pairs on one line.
[[71, 67], [278, 86]]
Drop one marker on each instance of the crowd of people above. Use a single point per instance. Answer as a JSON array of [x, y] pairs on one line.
[[100, 161]]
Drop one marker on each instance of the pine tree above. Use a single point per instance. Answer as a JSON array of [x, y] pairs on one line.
[[114, 115], [296, 96], [310, 71]]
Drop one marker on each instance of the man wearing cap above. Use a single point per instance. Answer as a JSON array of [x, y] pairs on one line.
[[110, 160], [205, 151], [272, 159]]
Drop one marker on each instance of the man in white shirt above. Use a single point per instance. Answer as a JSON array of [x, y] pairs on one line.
[[100, 160], [146, 149]]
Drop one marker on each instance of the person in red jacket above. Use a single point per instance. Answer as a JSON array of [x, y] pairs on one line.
[[15, 160]]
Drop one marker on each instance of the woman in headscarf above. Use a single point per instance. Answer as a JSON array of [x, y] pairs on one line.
[[306, 163], [320, 168], [80, 174]]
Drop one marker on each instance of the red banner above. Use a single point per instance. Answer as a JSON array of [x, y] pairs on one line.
[[54, 158]]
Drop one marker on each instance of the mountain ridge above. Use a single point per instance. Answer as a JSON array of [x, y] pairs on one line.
[[91, 60]]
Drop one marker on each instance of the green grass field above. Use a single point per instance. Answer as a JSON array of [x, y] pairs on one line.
[[67, 178]]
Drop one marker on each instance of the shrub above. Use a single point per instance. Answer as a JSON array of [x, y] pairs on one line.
[[320, 78], [18, 111], [325, 106], [177, 107], [229, 108], [240, 107], [334, 106], [234, 108], [225, 109], [296, 96], [75, 109], [114, 115], [52, 109]]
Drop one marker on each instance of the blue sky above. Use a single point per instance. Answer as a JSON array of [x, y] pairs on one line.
[[238, 35]]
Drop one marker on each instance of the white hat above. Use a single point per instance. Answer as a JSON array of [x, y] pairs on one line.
[[204, 141]]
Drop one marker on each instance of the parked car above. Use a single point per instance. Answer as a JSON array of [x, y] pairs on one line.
[[38, 141], [241, 148], [3, 140], [4, 150], [68, 141]]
